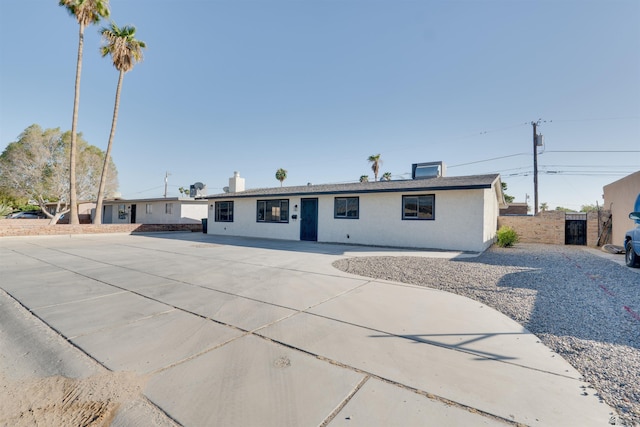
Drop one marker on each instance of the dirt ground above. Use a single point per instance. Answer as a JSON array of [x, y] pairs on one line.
[[61, 401], [46, 381]]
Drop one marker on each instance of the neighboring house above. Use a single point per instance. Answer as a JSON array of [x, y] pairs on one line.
[[85, 212], [515, 208], [619, 198], [452, 213], [170, 210]]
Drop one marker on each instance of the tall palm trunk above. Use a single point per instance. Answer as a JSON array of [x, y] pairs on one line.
[[73, 196], [107, 156]]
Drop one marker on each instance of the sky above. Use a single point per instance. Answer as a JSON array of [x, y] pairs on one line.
[[317, 86]]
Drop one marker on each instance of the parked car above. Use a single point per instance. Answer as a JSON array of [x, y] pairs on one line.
[[27, 215], [632, 243]]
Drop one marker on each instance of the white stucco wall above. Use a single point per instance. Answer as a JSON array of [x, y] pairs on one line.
[[245, 224], [458, 223], [158, 214], [114, 213], [181, 213], [492, 211], [192, 213], [620, 198], [464, 220]]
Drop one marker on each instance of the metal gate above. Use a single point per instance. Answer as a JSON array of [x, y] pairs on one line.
[[575, 229]]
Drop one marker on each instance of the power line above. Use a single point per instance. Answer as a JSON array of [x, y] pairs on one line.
[[590, 166], [550, 151], [584, 173], [488, 160], [600, 119], [149, 189], [569, 173], [592, 151]]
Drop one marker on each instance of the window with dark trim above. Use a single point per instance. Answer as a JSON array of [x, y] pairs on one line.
[[273, 210], [224, 212], [346, 207], [418, 207]]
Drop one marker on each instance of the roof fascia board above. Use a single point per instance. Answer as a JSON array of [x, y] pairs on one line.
[[167, 200], [327, 192]]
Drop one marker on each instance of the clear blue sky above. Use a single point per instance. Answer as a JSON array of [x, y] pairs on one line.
[[315, 87]]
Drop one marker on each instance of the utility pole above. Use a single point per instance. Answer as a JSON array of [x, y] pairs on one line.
[[166, 182], [535, 168], [537, 141]]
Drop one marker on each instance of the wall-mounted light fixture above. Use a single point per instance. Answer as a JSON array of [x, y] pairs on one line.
[[295, 208]]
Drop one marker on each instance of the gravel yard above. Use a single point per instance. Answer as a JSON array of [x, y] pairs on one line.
[[584, 307]]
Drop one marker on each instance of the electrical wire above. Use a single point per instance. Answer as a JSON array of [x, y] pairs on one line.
[[488, 160], [593, 151], [599, 119]]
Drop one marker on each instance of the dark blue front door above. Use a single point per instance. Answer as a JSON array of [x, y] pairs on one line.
[[133, 214], [309, 220]]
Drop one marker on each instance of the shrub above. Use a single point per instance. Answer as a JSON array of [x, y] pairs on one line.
[[507, 236], [5, 210]]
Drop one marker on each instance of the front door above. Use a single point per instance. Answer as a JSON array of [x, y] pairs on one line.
[[107, 212], [133, 214], [309, 220]]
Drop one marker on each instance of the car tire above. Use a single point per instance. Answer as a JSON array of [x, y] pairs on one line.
[[630, 257]]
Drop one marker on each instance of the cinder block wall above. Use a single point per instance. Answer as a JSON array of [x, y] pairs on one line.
[[548, 227], [592, 228], [41, 227]]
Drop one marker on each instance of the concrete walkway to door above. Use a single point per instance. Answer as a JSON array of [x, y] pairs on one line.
[[227, 331]]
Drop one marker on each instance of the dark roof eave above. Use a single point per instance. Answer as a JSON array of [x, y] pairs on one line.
[[363, 191], [151, 200]]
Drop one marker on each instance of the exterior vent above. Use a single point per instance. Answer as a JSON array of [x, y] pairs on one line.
[[428, 170]]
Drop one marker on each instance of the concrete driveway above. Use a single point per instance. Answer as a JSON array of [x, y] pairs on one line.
[[223, 331]]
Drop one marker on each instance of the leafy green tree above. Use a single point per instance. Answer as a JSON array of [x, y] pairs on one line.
[[375, 161], [8, 197], [86, 12], [560, 208], [36, 168], [364, 178], [507, 198], [125, 52], [589, 208], [281, 175], [544, 206], [386, 176]]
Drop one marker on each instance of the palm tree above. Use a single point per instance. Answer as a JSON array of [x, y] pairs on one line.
[[125, 52], [281, 175], [86, 12], [386, 176], [375, 161], [364, 178], [544, 206]]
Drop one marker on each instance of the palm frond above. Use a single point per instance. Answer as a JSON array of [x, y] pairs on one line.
[[87, 12], [122, 45]]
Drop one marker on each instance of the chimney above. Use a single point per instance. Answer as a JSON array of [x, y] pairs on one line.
[[236, 184]]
